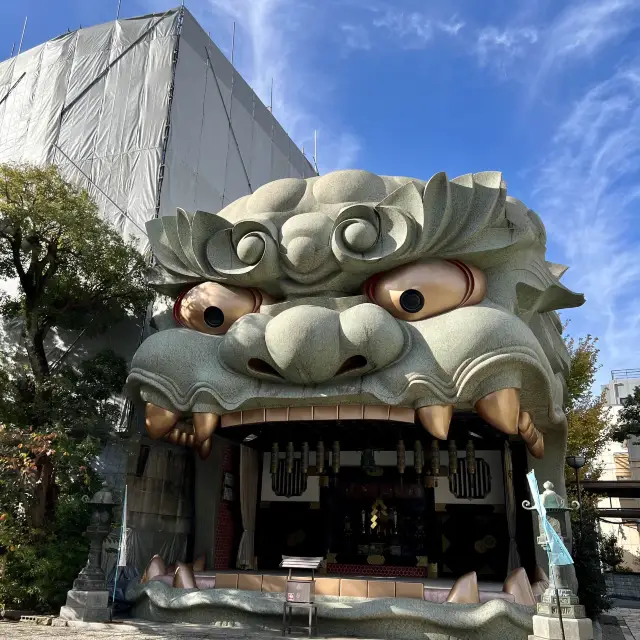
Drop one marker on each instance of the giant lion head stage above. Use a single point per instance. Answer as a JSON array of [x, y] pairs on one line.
[[353, 296]]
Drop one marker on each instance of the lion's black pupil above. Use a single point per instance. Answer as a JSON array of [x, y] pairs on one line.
[[412, 301], [213, 316]]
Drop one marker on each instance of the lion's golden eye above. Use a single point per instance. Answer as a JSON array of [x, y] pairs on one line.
[[427, 288], [212, 308]]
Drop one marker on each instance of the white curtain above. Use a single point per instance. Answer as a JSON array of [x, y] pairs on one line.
[[510, 499], [249, 469]]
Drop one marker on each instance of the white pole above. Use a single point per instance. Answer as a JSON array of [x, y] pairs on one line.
[[315, 149], [118, 10], [271, 97], [24, 28], [13, 48], [233, 41]]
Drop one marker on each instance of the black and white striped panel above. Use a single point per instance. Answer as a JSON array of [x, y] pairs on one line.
[[288, 484], [471, 486]]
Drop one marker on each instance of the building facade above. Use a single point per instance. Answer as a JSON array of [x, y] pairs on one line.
[[621, 462]]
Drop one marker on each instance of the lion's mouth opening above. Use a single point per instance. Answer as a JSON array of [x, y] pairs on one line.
[[499, 412]]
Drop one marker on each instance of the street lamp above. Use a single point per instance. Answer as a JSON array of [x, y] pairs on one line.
[[576, 463]]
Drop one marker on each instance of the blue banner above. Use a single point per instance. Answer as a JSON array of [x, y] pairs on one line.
[[558, 553]]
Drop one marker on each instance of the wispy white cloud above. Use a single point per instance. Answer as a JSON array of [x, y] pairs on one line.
[[500, 47], [588, 193], [414, 29], [271, 46], [355, 36], [583, 28], [452, 27], [581, 31], [534, 49]]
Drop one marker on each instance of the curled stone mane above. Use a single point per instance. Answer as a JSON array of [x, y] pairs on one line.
[[333, 232]]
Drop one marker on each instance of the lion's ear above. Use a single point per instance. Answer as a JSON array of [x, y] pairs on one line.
[[532, 299]]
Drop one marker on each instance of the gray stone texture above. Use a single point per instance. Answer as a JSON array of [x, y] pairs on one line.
[[87, 606], [311, 245], [546, 628], [91, 599], [444, 358], [623, 585], [395, 618]]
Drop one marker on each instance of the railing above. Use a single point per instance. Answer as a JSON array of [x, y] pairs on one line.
[[623, 374]]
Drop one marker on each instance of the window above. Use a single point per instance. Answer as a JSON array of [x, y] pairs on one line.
[[288, 484], [472, 486]]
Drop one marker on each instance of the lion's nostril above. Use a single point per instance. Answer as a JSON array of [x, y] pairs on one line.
[[257, 365], [351, 364]]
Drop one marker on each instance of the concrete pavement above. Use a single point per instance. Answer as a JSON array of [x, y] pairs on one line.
[[134, 630]]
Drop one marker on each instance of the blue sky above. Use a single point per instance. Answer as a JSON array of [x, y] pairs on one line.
[[546, 91]]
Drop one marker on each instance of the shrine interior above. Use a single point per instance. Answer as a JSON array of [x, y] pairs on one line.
[[387, 499]]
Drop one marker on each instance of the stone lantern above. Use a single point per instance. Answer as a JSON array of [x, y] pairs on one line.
[[547, 621], [89, 598]]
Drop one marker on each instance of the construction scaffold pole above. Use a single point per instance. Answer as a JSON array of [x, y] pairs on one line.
[[24, 28], [315, 150], [271, 97], [233, 41]]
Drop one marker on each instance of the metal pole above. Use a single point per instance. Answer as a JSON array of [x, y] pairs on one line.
[[271, 97], [315, 149], [560, 613], [24, 28], [13, 48], [233, 41], [579, 497], [118, 10]]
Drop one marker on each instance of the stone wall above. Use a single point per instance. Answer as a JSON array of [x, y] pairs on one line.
[[623, 585]]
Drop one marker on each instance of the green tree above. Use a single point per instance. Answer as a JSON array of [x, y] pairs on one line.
[[73, 275], [588, 420], [611, 552], [589, 431], [590, 550], [628, 424]]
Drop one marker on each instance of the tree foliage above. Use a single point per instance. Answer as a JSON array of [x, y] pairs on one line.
[[587, 413], [72, 273], [590, 550], [611, 552], [589, 432], [628, 424]]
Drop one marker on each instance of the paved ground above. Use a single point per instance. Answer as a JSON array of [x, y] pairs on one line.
[[135, 630], [628, 619], [622, 623]]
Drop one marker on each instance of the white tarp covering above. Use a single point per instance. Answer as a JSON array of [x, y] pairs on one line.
[[99, 103], [207, 163], [102, 96], [96, 101]]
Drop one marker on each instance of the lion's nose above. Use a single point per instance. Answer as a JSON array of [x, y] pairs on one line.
[[311, 345]]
